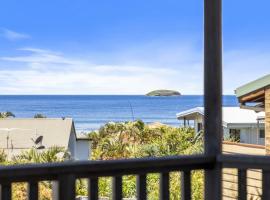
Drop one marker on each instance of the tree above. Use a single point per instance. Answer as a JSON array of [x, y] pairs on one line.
[[6, 114], [137, 139], [52, 154], [3, 156], [38, 115]]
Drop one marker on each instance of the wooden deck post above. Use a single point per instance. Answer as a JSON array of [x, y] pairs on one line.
[[267, 120], [213, 93]]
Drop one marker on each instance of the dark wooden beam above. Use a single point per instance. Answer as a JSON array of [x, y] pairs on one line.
[[256, 96], [213, 93]]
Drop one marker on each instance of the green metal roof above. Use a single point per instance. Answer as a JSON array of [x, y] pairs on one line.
[[253, 86]]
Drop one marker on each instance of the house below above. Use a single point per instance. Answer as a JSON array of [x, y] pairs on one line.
[[240, 124], [17, 135], [256, 96]]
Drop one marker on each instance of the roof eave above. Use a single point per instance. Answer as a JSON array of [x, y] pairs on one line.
[[190, 112], [253, 86]]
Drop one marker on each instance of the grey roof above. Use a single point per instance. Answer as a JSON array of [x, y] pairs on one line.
[[20, 133]]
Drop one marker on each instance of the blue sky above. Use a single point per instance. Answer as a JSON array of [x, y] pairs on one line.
[[125, 46]]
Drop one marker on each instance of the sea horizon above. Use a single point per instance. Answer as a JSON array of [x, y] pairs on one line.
[[90, 112]]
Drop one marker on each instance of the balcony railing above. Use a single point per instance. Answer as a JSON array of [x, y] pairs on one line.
[[211, 162], [66, 174]]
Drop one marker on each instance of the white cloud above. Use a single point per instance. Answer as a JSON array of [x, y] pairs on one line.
[[12, 35], [42, 71], [36, 50], [48, 72]]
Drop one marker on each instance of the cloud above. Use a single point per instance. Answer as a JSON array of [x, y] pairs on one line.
[[38, 50], [12, 35], [38, 56], [47, 72], [44, 71]]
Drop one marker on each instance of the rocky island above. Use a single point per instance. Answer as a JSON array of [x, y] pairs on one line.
[[163, 93]]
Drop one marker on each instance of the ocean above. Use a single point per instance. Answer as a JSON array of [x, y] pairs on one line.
[[92, 111]]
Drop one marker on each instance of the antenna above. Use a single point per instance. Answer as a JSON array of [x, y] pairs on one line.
[[131, 109], [39, 140]]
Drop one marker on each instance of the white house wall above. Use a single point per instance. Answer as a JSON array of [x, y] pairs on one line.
[[250, 135], [83, 150], [248, 131]]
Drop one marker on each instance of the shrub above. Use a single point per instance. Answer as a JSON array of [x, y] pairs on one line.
[[136, 140], [38, 115], [3, 156]]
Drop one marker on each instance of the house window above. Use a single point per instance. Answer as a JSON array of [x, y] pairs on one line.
[[235, 135], [262, 133]]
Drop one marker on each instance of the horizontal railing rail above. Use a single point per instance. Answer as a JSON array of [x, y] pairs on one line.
[[244, 161], [64, 175], [81, 169]]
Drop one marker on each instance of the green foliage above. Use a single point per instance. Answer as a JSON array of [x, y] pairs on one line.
[[152, 183], [81, 187], [3, 157], [30, 156], [231, 138], [105, 187], [136, 140], [38, 115], [53, 154], [6, 114], [129, 186], [197, 178]]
